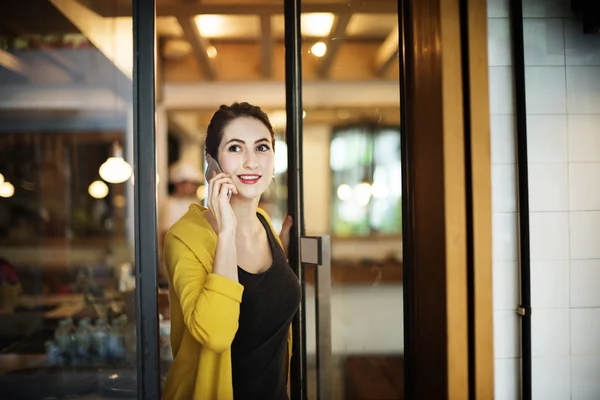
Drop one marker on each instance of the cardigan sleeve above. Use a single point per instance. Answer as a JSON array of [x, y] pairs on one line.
[[210, 303]]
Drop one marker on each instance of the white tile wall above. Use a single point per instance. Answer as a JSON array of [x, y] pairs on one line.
[[503, 138], [585, 234], [563, 134], [551, 378], [545, 90], [501, 90], [548, 187], [550, 286], [497, 9], [543, 8], [584, 377], [549, 235], [585, 331], [580, 49], [550, 332], [504, 237], [507, 378], [584, 283], [506, 334], [583, 90], [583, 193], [547, 138], [504, 188], [505, 285], [584, 138], [499, 51], [544, 41]]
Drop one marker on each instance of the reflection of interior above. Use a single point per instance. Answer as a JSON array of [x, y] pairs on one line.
[[66, 108]]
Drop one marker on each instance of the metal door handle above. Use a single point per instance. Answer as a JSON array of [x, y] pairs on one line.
[[316, 250]]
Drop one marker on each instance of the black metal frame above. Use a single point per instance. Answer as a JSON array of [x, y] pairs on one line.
[[408, 258], [293, 103], [466, 83], [146, 255], [516, 25]]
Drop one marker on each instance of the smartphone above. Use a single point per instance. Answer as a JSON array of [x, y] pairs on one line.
[[213, 165]]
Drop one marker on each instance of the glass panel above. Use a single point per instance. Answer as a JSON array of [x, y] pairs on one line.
[[353, 191], [67, 288], [209, 56]]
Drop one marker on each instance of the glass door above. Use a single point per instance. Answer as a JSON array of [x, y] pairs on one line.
[[346, 186]]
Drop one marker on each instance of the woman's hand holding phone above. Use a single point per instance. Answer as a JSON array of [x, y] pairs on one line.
[[218, 202]]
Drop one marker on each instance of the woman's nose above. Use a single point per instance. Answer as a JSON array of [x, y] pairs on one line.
[[251, 163]]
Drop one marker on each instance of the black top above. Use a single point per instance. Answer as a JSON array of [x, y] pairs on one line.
[[259, 349]]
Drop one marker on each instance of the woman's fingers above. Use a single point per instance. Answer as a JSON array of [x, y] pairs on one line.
[[225, 188]]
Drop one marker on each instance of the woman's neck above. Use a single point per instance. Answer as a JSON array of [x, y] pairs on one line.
[[245, 215]]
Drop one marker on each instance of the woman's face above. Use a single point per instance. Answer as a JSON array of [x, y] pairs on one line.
[[246, 153]]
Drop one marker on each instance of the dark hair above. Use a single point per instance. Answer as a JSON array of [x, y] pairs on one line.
[[227, 114]]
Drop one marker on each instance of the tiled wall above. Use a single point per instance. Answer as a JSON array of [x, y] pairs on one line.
[[563, 132]]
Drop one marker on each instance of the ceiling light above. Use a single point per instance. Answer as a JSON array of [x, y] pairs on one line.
[[6, 189], [116, 169], [210, 25], [98, 190], [228, 26], [1, 178], [211, 51], [319, 49], [316, 24]]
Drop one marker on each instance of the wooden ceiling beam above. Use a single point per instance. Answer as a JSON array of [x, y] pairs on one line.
[[63, 63], [175, 7], [337, 35], [199, 45], [387, 52], [14, 64], [266, 47]]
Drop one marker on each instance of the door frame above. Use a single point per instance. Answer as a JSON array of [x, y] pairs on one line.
[[443, 334]]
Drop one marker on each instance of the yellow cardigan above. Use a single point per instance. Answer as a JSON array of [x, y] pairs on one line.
[[205, 309]]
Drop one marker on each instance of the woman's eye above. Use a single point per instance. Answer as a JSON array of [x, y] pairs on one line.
[[235, 148], [263, 147]]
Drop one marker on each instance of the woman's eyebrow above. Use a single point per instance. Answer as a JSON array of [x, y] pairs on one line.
[[241, 141]]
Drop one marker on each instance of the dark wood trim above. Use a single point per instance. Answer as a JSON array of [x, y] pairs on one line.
[[435, 150]]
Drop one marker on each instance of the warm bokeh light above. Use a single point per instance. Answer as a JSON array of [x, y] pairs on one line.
[[98, 190], [211, 52], [344, 192], [319, 49], [6, 189]]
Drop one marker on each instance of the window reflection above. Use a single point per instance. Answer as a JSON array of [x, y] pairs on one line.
[[365, 165], [67, 285]]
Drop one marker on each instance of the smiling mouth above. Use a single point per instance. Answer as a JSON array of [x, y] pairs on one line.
[[249, 179]]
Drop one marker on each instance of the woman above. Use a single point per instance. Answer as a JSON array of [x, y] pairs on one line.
[[233, 295]]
